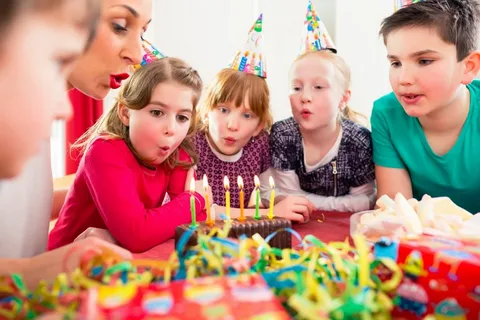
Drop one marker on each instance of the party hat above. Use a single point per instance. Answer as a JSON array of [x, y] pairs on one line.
[[151, 54], [315, 34], [402, 3], [250, 59]]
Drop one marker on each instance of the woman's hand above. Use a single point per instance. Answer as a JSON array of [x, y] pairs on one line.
[[294, 208], [48, 265]]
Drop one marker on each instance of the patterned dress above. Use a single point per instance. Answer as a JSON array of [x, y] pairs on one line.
[[352, 167], [255, 159]]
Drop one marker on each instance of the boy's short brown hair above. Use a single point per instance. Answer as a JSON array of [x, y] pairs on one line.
[[456, 21]]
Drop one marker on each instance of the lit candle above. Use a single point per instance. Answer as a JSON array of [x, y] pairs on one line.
[[226, 184], [242, 198], [272, 197], [207, 203], [257, 197], [192, 204]]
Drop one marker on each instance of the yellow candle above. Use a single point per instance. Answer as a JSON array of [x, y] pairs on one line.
[[272, 197], [363, 264], [207, 203], [242, 199], [226, 184]]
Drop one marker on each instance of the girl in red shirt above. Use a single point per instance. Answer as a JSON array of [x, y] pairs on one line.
[[134, 155]]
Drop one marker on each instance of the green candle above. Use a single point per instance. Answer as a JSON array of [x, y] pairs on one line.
[[257, 198], [192, 204]]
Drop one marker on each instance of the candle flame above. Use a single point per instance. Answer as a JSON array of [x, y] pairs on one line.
[[226, 183], [272, 183], [257, 182], [192, 185], [240, 182], [205, 182]]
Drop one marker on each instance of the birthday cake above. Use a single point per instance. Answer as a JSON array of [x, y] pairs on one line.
[[263, 226]]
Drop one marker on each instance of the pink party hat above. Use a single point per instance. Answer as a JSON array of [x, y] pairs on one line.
[[250, 59], [315, 34], [151, 54], [402, 3]]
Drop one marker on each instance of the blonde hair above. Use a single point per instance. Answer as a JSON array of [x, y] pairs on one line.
[[343, 76], [235, 86], [136, 95]]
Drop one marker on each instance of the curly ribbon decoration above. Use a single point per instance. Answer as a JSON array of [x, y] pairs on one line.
[[315, 280]]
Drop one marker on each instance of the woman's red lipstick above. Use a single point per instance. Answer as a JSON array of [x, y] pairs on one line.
[[116, 80]]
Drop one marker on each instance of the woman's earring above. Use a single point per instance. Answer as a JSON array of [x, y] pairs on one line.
[[253, 139]]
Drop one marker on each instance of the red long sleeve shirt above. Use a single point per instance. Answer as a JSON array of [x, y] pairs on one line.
[[113, 191]]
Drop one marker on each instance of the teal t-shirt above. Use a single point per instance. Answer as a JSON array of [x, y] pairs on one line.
[[399, 142]]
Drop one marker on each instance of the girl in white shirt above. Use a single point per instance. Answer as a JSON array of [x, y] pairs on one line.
[[322, 153]]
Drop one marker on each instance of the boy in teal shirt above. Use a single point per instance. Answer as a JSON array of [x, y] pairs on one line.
[[426, 133]]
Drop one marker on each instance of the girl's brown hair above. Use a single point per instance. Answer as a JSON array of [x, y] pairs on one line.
[[136, 94], [235, 86], [343, 76]]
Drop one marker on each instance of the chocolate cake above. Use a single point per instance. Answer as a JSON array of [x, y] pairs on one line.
[[264, 227]]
